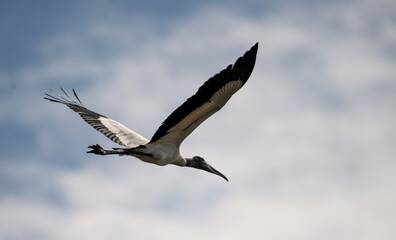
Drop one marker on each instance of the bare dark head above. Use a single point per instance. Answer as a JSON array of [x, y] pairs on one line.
[[198, 162]]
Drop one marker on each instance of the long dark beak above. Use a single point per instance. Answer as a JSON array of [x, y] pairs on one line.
[[210, 169]]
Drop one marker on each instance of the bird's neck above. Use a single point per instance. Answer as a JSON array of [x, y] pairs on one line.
[[180, 161]]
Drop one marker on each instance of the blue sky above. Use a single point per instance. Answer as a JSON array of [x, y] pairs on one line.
[[308, 143]]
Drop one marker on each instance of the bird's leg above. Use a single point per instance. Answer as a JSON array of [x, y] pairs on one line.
[[97, 149]]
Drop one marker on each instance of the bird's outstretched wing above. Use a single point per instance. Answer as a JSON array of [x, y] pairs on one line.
[[112, 129], [209, 98]]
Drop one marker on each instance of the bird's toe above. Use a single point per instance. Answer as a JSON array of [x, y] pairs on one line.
[[97, 149]]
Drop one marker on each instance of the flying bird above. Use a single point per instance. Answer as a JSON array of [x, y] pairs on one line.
[[163, 148]]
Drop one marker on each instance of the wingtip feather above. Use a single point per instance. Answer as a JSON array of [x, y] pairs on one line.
[[78, 99]]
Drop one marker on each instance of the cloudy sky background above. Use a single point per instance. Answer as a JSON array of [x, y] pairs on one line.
[[308, 144]]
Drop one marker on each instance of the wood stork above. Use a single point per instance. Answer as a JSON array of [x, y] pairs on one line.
[[163, 148]]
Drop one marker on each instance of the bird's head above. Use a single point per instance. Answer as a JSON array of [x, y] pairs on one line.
[[200, 163]]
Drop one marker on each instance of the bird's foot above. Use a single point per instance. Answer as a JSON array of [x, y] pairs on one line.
[[97, 149]]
